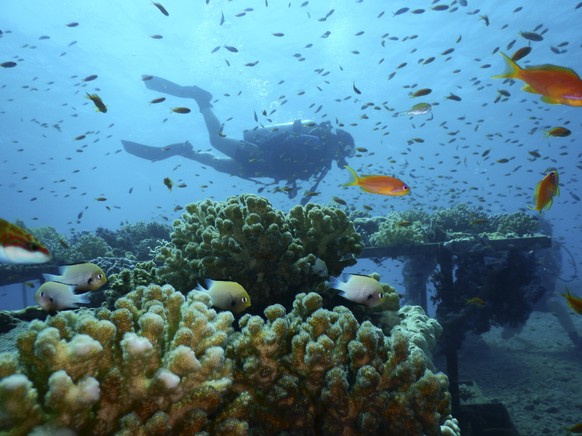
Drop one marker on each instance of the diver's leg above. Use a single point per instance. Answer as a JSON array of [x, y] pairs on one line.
[[239, 150], [159, 84], [228, 166], [564, 319], [154, 154]]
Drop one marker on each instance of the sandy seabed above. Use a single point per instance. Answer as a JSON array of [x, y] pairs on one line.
[[536, 374]]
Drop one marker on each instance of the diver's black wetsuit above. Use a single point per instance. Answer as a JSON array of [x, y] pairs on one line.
[[293, 151]]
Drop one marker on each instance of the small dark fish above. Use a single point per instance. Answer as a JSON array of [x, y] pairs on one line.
[[502, 161], [401, 11], [98, 102], [80, 137], [72, 24], [452, 96], [8, 64], [420, 92], [440, 7], [278, 34], [161, 8], [215, 49], [560, 132], [356, 90], [168, 182], [251, 64], [485, 19], [231, 48], [101, 199], [158, 100], [181, 110], [532, 36], [486, 152], [146, 77], [521, 53], [221, 18], [156, 36], [339, 201], [89, 78]]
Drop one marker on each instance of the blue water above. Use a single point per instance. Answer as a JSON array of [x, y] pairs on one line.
[[48, 177]]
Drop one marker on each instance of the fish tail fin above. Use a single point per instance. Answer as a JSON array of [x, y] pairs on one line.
[[52, 277], [335, 283], [354, 179], [514, 69], [83, 298]]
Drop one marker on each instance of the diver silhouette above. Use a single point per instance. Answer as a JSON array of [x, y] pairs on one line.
[[299, 150]]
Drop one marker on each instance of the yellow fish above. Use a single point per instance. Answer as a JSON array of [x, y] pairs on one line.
[[52, 296], [84, 276], [18, 246], [475, 301], [226, 295]]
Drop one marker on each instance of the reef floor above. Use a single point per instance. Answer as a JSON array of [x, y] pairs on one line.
[[535, 374]]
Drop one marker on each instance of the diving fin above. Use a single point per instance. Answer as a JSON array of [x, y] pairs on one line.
[[158, 153], [159, 84]]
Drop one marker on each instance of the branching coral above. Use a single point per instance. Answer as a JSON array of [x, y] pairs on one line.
[[154, 363], [163, 363], [265, 250], [321, 371]]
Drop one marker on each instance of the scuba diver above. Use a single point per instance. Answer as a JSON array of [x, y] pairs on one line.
[[293, 151]]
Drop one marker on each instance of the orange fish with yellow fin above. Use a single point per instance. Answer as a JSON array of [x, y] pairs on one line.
[[573, 301], [383, 185], [557, 85], [546, 190]]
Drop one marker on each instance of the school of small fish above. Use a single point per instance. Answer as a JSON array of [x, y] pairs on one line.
[[464, 133]]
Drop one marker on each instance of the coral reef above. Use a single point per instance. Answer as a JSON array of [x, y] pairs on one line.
[[321, 370], [265, 250], [461, 221], [155, 363], [402, 228], [163, 363], [135, 241]]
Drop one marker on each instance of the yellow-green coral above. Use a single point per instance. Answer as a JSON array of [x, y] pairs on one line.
[[162, 362], [155, 360], [322, 370], [267, 251]]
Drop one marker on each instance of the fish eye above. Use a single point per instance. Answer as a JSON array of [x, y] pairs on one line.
[[99, 276], [244, 299], [33, 246]]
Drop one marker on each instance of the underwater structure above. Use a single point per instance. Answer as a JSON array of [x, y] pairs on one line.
[[483, 269], [156, 358]]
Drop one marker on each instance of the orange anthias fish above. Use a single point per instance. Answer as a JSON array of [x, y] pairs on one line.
[[18, 246], [383, 185], [545, 191], [557, 85], [574, 302]]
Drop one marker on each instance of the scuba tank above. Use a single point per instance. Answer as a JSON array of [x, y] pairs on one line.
[[262, 135]]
